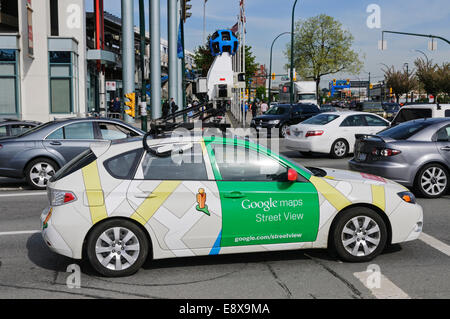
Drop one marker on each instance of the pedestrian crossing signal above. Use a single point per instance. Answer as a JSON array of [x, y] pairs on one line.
[[131, 104]]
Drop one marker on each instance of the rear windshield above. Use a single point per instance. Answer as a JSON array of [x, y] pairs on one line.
[[82, 160], [405, 115], [321, 119], [405, 130]]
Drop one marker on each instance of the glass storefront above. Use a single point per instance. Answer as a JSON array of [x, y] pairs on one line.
[[61, 79], [8, 82]]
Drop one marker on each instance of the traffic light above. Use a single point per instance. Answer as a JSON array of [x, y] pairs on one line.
[[334, 82], [273, 76], [185, 14], [348, 81], [131, 104]]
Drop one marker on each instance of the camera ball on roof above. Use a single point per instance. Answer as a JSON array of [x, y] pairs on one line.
[[223, 41]]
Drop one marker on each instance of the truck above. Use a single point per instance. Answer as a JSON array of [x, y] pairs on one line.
[[304, 92]]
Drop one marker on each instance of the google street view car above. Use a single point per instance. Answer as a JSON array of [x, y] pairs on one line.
[[119, 202]]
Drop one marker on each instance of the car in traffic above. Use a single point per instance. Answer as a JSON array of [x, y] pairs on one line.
[[332, 133], [37, 154], [14, 127], [415, 154], [371, 107], [421, 111], [327, 108], [390, 110], [282, 115], [120, 202]]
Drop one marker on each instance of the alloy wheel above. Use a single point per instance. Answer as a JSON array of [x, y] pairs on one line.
[[41, 173], [433, 181], [340, 148], [361, 236]]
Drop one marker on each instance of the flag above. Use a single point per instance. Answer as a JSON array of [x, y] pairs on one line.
[[180, 50], [235, 28]]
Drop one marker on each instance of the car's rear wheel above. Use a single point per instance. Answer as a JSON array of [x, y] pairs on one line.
[[283, 130], [432, 181], [117, 248], [339, 149], [39, 171], [359, 235]]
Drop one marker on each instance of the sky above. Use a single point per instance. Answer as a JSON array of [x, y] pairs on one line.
[[268, 18]]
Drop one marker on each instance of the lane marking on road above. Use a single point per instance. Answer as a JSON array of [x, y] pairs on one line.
[[436, 244], [23, 194], [380, 286], [25, 232]]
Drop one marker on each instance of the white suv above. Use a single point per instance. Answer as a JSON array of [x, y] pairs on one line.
[[419, 111]]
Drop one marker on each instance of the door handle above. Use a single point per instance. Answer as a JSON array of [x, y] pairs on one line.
[[146, 195], [447, 149], [234, 195], [55, 143]]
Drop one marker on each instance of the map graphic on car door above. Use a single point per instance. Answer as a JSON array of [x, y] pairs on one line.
[[259, 206]]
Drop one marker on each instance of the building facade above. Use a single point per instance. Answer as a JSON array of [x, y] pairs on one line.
[[42, 59]]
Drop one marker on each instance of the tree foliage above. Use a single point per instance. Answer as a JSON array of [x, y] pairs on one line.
[[401, 81], [434, 78], [322, 47]]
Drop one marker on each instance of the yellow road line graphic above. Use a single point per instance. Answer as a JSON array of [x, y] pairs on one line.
[[152, 203], [336, 198], [94, 192], [378, 197]]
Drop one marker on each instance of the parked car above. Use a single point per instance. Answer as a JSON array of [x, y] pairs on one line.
[[371, 107], [327, 108], [421, 111], [333, 133], [390, 110], [415, 154], [14, 127], [282, 115], [40, 152], [119, 203]]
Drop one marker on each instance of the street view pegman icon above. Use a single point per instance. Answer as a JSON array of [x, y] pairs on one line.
[[201, 201]]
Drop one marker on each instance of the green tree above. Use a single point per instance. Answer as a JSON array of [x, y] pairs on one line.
[[323, 47], [261, 93], [400, 81]]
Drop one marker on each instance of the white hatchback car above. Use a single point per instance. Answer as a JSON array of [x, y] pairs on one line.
[[333, 133]]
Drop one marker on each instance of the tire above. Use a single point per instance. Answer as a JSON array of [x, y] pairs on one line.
[[339, 149], [283, 129], [350, 243], [432, 181], [99, 250], [39, 171]]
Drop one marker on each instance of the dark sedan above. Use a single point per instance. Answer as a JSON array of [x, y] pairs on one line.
[[38, 153], [13, 127], [414, 153], [283, 115]]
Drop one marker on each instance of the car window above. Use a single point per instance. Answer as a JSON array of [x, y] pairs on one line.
[[447, 113], [3, 131], [321, 119], [374, 121], [79, 131], [186, 165], [405, 115], [123, 166], [443, 135], [56, 135], [405, 130], [17, 129], [354, 120], [277, 110], [111, 131], [242, 164]]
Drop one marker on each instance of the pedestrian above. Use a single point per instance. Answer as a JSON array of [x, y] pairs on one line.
[[254, 109], [165, 109], [173, 108], [264, 107], [116, 105]]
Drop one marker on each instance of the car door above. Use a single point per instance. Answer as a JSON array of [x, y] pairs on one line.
[[176, 195], [375, 124], [443, 143], [259, 205], [353, 124], [71, 139]]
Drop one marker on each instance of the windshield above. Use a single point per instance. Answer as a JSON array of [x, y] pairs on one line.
[[321, 119], [277, 110], [405, 115], [80, 161], [303, 97], [405, 130]]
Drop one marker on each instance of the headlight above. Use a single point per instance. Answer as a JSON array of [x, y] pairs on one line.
[[274, 122], [407, 197]]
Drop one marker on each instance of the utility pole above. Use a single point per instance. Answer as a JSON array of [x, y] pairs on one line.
[[155, 58], [270, 67], [128, 68], [143, 105], [172, 30], [291, 89]]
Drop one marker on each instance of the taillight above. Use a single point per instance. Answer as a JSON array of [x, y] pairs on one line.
[[314, 133], [1, 146], [58, 198], [385, 152]]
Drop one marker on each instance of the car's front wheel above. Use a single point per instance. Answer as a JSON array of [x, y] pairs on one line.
[[359, 235], [117, 248], [432, 181], [39, 171]]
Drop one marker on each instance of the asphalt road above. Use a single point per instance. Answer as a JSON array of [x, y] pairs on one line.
[[419, 269]]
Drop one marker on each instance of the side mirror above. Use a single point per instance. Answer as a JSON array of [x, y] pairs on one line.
[[292, 175]]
